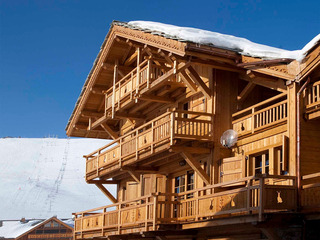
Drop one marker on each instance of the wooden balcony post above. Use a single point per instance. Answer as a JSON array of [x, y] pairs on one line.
[[137, 144], [249, 195], [97, 163], [119, 94], [252, 120], [120, 153], [115, 79], [155, 203], [148, 73], [138, 70], [261, 200], [172, 128], [131, 85], [152, 136], [105, 104], [119, 218], [146, 214]]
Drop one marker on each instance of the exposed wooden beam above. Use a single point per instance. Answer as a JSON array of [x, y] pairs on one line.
[[103, 181], [198, 150], [194, 164], [165, 56], [140, 169], [125, 55], [112, 133], [275, 84], [187, 80], [135, 176], [98, 122], [129, 116], [88, 113], [245, 92], [153, 98], [131, 59], [197, 79], [107, 193], [98, 90]]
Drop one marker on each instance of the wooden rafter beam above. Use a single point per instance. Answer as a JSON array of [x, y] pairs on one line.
[[112, 133], [165, 56], [135, 176], [275, 84], [131, 59], [131, 116], [107, 193], [98, 90], [144, 169], [98, 122], [153, 98], [194, 164], [245, 92], [88, 113], [197, 79], [103, 181], [265, 62], [187, 80], [198, 150], [126, 54]]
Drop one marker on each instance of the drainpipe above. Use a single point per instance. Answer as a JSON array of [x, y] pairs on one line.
[[298, 171]]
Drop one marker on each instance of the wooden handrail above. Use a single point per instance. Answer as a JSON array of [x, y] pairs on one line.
[[259, 104], [146, 124]]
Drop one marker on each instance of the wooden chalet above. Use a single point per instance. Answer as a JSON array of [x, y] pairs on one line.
[[50, 229], [165, 103]]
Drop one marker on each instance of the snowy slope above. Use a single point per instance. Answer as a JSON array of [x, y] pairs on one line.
[[45, 177]]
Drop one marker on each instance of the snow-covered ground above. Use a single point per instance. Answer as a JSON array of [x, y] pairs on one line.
[[45, 177]]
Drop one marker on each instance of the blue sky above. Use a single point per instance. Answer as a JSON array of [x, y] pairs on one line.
[[47, 48]]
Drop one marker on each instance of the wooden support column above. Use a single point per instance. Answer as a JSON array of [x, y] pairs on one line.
[[115, 79], [197, 79], [107, 193], [194, 164], [245, 92], [138, 70]]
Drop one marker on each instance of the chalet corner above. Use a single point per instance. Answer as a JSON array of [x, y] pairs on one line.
[[165, 101]]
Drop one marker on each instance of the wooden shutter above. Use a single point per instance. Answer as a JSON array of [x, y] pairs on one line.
[[231, 169]]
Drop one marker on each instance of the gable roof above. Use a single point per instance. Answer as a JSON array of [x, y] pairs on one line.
[[16, 228], [180, 41]]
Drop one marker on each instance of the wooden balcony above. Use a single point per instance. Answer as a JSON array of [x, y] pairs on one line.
[[312, 101], [148, 140], [140, 79], [255, 196], [310, 192], [262, 116]]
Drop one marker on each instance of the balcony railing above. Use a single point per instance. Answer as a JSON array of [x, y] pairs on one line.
[[256, 195], [130, 84], [312, 99], [148, 139], [310, 193], [269, 113]]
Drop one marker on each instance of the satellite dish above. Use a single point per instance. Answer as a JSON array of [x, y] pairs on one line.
[[229, 138]]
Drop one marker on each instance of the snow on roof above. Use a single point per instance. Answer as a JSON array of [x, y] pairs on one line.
[[15, 228], [42, 177], [241, 45]]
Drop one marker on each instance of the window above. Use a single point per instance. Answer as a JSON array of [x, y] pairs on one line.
[[261, 164], [184, 183]]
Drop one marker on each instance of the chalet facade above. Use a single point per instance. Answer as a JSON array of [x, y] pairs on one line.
[[166, 101], [50, 229]]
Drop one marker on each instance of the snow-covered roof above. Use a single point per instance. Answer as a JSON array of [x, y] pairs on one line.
[[42, 177], [241, 45], [15, 228]]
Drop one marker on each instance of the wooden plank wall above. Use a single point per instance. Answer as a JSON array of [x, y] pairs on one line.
[[310, 146]]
